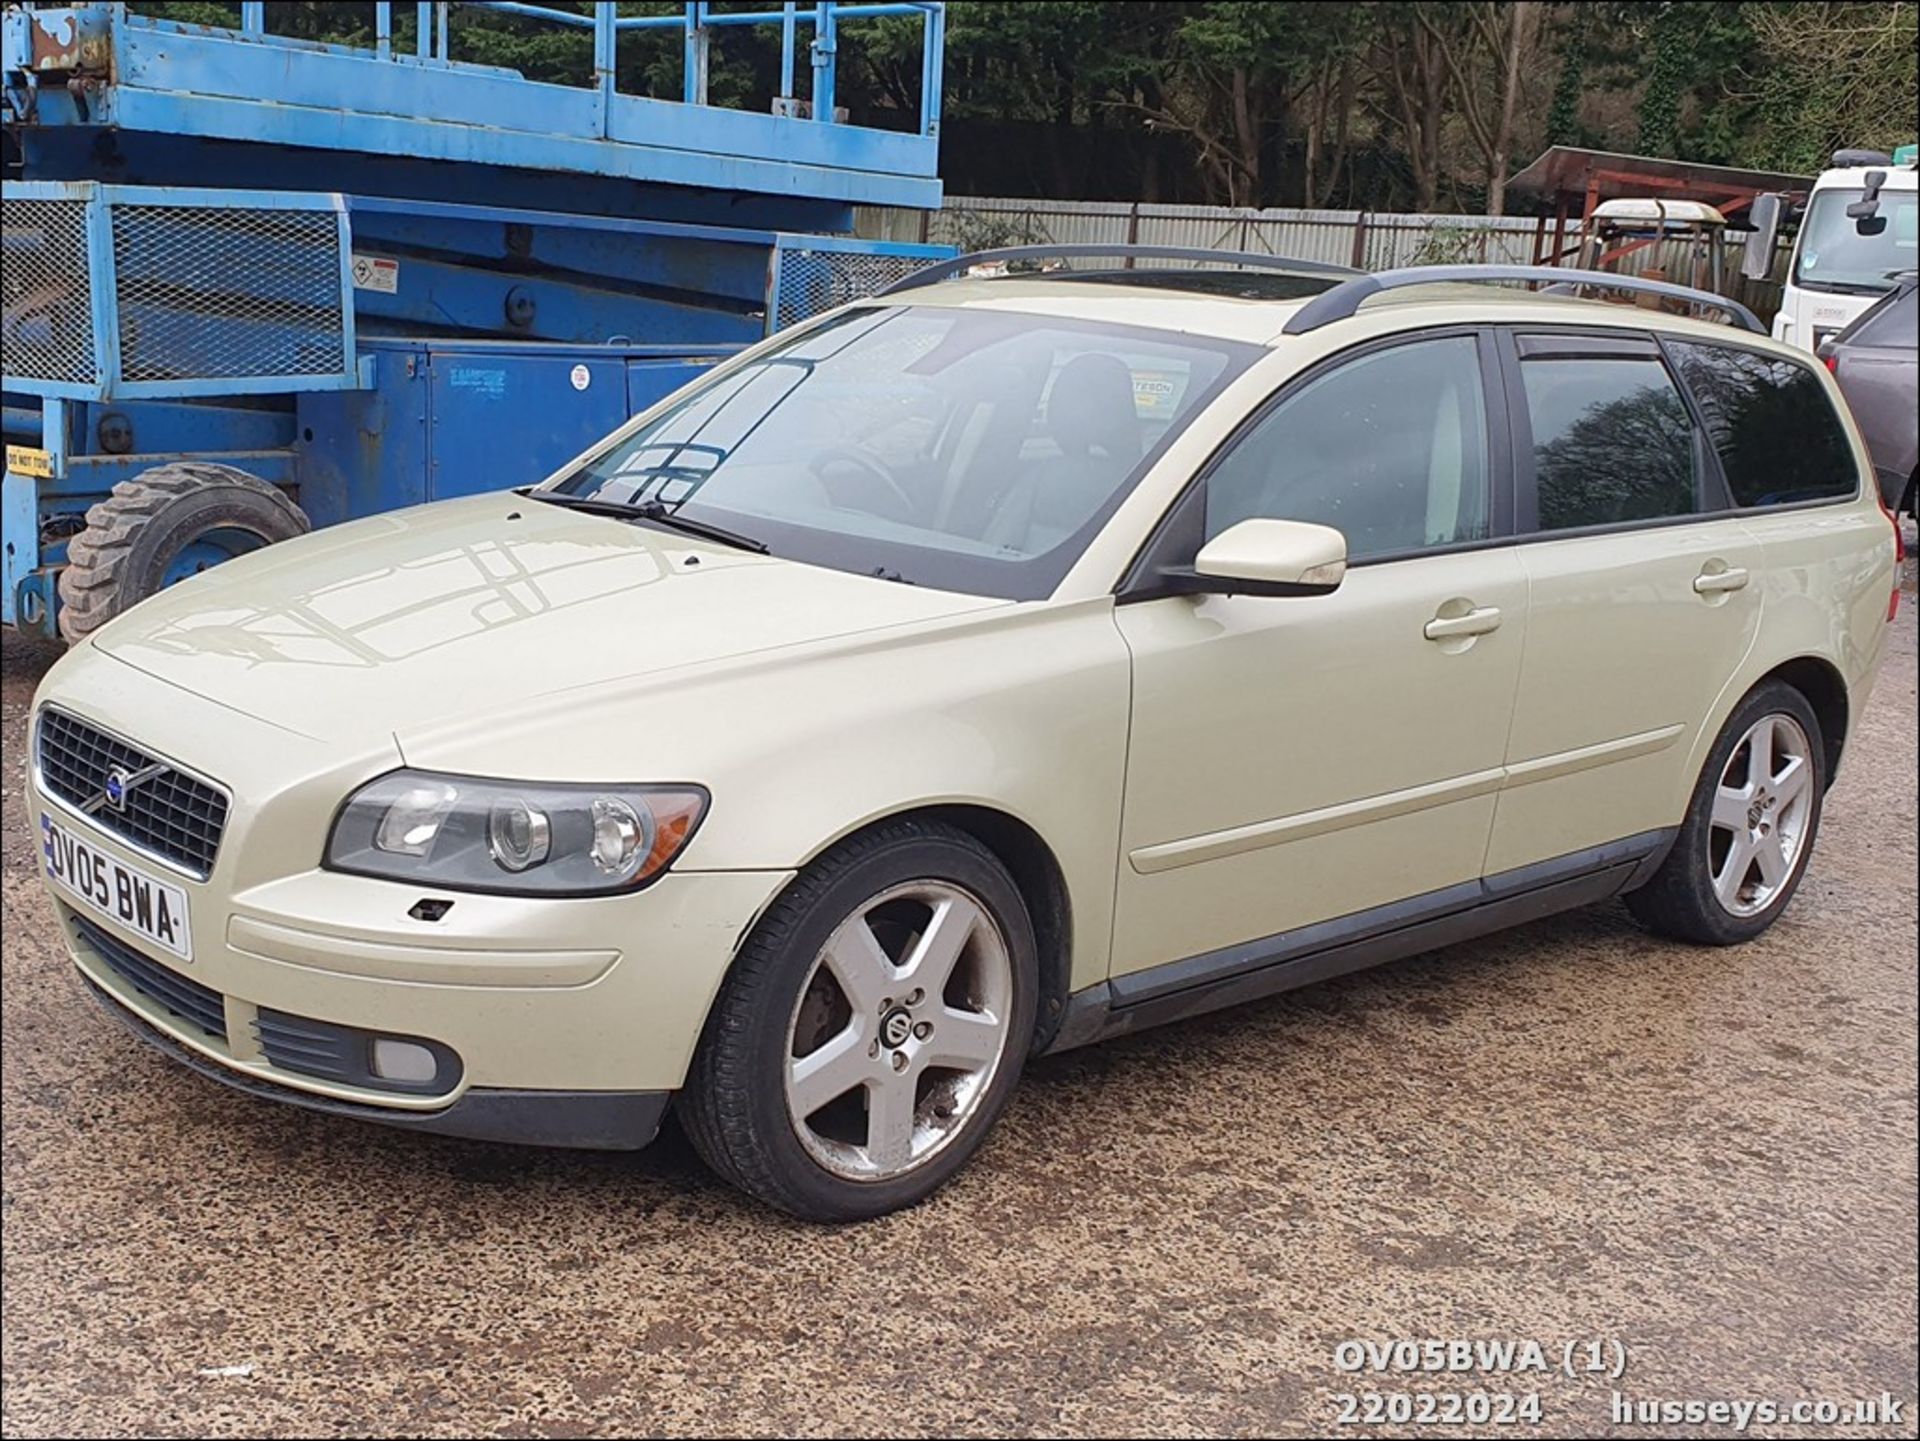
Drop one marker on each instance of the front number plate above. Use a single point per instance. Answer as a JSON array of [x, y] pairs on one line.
[[144, 904]]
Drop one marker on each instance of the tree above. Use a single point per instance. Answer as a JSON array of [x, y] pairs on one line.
[[1485, 67], [1830, 75], [1331, 97], [1412, 89]]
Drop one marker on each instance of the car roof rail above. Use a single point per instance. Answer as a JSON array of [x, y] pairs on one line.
[[1341, 302], [959, 264]]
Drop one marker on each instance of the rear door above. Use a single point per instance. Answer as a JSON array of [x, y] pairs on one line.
[[1643, 593]]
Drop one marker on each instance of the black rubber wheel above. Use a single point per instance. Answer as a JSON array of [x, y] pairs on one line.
[[161, 526], [1681, 900], [738, 1107]]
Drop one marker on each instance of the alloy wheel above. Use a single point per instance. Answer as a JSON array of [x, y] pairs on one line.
[[897, 1034], [1756, 840]]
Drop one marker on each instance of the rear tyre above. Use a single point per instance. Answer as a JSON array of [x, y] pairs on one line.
[[1749, 829], [871, 1030], [162, 526]]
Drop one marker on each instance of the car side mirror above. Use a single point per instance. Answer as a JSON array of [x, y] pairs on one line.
[[1756, 258], [1268, 558]]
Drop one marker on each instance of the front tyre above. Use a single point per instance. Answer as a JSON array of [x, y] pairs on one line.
[[871, 1029], [1750, 827]]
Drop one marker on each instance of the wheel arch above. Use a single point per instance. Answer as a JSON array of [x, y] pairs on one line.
[[1820, 681], [1035, 869]]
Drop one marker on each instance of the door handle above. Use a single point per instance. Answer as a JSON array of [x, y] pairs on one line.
[[1479, 621], [1717, 582]]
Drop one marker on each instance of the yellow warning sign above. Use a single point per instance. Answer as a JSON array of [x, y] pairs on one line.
[[25, 460]]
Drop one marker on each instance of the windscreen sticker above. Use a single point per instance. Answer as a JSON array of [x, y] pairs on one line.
[[1156, 393]]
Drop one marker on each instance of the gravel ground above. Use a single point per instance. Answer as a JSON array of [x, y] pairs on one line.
[[1571, 1132]]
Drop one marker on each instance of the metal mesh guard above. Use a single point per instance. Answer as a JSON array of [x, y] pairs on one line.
[[812, 281], [46, 303], [208, 293]]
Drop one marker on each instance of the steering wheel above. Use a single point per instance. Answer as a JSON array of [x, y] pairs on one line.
[[898, 504]]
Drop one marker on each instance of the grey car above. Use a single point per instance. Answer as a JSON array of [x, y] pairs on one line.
[[1877, 362]]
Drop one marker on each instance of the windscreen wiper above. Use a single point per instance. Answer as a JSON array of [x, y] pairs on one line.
[[656, 512]]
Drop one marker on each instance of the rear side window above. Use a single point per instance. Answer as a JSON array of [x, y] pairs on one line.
[[1612, 440], [1893, 324], [1771, 423]]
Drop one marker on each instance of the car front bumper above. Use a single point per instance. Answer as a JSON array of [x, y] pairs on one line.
[[569, 1021], [588, 1064], [584, 1120]]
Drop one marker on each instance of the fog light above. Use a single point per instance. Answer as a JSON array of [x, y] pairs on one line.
[[403, 1061]]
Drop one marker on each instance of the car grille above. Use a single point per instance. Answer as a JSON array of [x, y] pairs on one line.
[[170, 813], [192, 1002], [313, 1048]]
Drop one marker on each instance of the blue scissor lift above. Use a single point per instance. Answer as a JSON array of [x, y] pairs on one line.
[[253, 282]]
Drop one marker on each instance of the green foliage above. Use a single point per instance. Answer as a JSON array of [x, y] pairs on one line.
[[1563, 116], [1449, 245], [1825, 76]]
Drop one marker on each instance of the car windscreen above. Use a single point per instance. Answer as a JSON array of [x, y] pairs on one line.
[[1838, 252], [966, 449]]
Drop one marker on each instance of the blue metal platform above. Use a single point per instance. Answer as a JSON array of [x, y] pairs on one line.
[[372, 276], [142, 76]]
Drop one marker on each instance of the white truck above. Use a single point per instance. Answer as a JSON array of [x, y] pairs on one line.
[[1860, 229]]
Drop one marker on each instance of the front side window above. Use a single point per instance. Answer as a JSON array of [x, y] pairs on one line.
[[1859, 257], [1612, 440], [969, 450], [1771, 424], [1390, 449]]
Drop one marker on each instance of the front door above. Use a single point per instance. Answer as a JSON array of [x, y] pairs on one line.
[[1296, 760]]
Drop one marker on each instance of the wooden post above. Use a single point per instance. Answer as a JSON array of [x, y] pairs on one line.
[[1360, 241]]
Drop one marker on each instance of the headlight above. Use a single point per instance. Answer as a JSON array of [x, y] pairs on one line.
[[478, 835]]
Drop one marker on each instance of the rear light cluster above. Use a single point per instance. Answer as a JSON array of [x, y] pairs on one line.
[[1899, 554]]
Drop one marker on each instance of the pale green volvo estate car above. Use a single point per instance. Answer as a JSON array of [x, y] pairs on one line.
[[989, 667]]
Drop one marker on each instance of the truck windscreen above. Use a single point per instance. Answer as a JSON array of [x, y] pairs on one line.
[[1840, 253]]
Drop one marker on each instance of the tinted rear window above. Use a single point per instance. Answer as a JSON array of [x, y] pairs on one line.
[[1612, 441], [1771, 423], [1894, 323]]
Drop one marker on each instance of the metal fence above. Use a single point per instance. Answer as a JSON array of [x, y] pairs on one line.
[[1366, 240], [1345, 237]]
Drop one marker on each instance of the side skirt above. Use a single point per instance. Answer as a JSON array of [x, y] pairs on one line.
[[1252, 970]]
